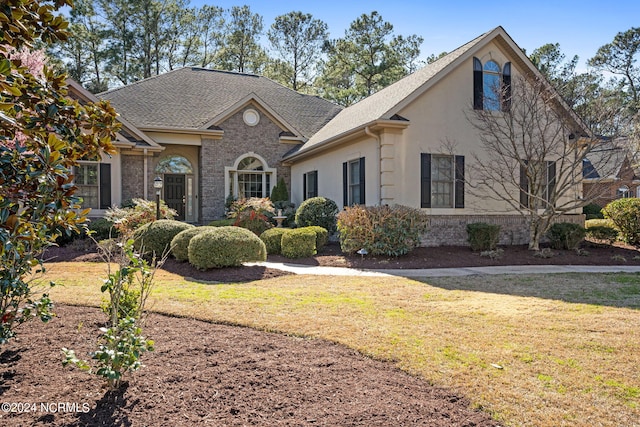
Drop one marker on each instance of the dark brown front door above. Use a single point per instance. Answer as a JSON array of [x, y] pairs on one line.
[[174, 194]]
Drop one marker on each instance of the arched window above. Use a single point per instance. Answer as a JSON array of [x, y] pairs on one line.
[[491, 86], [251, 177], [623, 192], [174, 164]]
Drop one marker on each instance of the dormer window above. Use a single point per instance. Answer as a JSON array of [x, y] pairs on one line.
[[491, 86]]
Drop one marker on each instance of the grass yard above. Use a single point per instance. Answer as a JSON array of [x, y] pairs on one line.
[[531, 350]]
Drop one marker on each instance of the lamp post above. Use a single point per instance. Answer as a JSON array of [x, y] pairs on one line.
[[157, 184]]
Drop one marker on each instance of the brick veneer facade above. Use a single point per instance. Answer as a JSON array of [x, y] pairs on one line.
[[452, 230], [239, 140], [133, 178]]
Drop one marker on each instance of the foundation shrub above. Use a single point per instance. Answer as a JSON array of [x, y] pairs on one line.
[[102, 228], [483, 236], [566, 235], [272, 239], [601, 231], [592, 211], [180, 242], [318, 211], [253, 214], [155, 237], [225, 247], [625, 214], [322, 236], [381, 230], [298, 243]]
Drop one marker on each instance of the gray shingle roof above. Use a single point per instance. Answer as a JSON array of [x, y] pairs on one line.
[[191, 97]]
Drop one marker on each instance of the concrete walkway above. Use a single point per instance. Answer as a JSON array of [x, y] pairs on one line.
[[447, 272]]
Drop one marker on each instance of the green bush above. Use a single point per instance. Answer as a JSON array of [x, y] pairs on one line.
[[566, 235], [625, 214], [225, 247], [280, 192], [102, 229], [180, 242], [322, 236], [602, 233], [317, 211], [155, 237], [592, 211], [298, 243], [381, 230], [483, 236], [272, 239]]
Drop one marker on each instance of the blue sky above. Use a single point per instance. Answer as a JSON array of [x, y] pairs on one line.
[[580, 27]]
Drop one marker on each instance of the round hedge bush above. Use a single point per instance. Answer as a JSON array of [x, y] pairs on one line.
[[625, 214], [299, 243], [225, 247], [155, 237], [322, 236], [272, 239], [317, 211], [180, 243]]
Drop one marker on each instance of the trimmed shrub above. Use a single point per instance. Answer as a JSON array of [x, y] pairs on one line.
[[483, 236], [102, 228], [381, 230], [317, 211], [180, 242], [566, 235], [155, 237], [592, 211], [601, 230], [298, 243], [322, 236], [272, 239], [280, 192], [625, 214], [225, 247]]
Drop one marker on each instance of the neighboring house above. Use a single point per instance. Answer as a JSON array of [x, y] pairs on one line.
[[412, 144], [610, 173], [213, 134], [222, 133]]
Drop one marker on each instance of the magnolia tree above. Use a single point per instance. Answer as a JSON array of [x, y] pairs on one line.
[[43, 133], [533, 151]]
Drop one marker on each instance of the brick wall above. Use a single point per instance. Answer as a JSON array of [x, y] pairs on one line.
[[239, 139], [452, 229], [132, 177]]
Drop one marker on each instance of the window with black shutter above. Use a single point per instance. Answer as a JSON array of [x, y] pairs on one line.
[[353, 182], [441, 181]]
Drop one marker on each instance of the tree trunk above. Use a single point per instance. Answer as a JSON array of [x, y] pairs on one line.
[[534, 235]]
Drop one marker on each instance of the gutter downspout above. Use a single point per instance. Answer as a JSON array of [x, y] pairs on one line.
[[368, 132], [146, 177]]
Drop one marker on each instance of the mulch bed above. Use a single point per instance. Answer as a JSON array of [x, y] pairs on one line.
[[215, 375]]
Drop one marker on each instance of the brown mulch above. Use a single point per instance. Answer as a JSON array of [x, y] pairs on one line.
[[433, 257], [208, 374]]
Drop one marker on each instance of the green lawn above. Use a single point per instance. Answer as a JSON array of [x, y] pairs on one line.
[[531, 350]]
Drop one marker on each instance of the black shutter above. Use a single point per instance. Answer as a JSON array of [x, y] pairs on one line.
[[362, 181], [304, 186], [477, 85], [314, 187], [425, 180], [345, 184], [524, 186], [506, 87], [551, 180], [459, 184], [105, 185]]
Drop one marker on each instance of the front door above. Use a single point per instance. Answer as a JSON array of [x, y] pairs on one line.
[[174, 193]]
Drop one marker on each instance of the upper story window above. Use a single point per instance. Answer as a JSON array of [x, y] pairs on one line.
[[491, 86]]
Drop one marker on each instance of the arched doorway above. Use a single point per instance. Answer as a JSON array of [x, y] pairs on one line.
[[177, 174]]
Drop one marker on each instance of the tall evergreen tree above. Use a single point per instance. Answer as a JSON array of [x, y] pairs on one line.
[[297, 40], [241, 49]]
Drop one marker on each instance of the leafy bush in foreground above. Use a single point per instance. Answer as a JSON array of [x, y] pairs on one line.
[[317, 211], [483, 236], [180, 242], [155, 237], [566, 235], [299, 243]]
